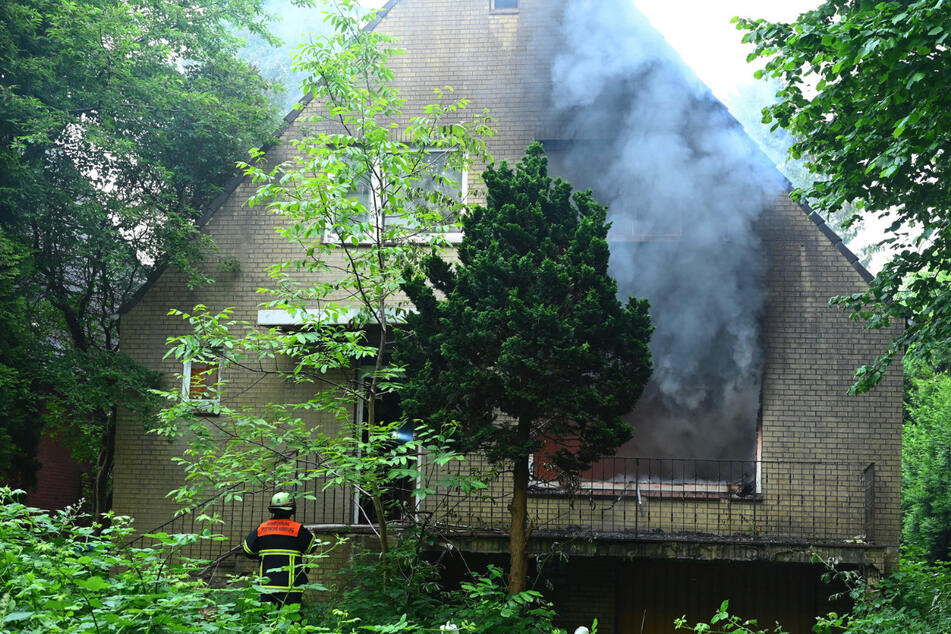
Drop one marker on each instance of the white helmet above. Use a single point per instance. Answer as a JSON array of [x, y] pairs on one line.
[[282, 501]]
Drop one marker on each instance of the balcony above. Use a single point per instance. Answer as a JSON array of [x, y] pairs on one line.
[[743, 503], [753, 500]]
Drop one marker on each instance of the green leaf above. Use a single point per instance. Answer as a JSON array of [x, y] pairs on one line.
[[16, 616], [93, 584]]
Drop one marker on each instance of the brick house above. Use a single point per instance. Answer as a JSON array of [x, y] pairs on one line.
[[675, 523]]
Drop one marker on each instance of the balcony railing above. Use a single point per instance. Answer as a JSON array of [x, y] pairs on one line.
[[624, 498], [661, 498]]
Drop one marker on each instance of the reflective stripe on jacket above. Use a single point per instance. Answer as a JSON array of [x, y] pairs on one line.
[[280, 545]]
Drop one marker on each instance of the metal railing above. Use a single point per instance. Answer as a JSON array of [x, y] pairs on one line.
[[634, 498], [649, 497]]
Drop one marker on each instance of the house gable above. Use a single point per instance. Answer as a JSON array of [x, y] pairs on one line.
[[502, 61]]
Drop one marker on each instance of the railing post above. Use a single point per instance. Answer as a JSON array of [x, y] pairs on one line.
[[869, 500]]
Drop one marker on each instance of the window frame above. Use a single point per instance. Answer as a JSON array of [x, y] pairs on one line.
[[378, 219], [543, 484], [209, 388]]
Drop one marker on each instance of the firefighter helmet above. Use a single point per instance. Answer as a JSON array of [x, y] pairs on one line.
[[282, 501]]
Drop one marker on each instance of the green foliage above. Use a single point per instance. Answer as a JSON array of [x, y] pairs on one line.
[[530, 343], [59, 574], [121, 121], [926, 464], [864, 94], [722, 622], [20, 361], [916, 599], [485, 604], [379, 590], [361, 200], [478, 605]]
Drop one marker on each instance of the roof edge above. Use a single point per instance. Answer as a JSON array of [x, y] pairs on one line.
[[788, 187], [832, 235], [232, 185]]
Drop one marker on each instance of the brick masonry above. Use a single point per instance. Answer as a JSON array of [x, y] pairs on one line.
[[501, 62], [59, 480]]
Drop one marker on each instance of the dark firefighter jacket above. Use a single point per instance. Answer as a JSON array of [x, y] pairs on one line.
[[280, 544]]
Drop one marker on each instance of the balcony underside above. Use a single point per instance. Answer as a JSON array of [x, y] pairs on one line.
[[631, 546]]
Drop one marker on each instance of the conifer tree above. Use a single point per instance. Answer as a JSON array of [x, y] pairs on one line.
[[527, 341]]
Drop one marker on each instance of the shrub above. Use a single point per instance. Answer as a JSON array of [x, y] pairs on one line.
[[722, 622], [59, 575], [403, 591], [915, 599]]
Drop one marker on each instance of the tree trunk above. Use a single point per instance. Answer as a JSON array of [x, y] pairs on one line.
[[381, 522], [102, 478], [376, 498], [519, 533]]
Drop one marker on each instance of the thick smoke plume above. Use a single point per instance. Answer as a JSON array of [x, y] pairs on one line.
[[684, 186]]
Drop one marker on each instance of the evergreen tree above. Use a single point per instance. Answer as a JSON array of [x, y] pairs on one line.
[[530, 343]]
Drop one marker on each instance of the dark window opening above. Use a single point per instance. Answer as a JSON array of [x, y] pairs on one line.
[[398, 501], [712, 451]]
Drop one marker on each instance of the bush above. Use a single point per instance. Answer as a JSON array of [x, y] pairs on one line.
[[403, 591], [58, 575], [914, 600], [722, 622]]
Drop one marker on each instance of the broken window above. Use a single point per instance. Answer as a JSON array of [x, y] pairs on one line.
[[696, 424], [660, 476]]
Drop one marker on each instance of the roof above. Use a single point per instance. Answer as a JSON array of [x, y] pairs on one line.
[[835, 239]]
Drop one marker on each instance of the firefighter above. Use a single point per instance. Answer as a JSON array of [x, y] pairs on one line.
[[280, 544]]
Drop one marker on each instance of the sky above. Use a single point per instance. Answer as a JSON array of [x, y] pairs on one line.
[[700, 30]]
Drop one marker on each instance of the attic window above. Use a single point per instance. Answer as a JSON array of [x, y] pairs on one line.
[[451, 184], [200, 382], [503, 6], [431, 190]]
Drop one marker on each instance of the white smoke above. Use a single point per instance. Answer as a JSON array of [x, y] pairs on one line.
[[684, 187]]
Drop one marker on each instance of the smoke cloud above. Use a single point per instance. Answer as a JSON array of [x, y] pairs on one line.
[[684, 186]]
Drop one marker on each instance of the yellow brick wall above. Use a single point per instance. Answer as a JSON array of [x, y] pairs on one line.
[[501, 62]]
